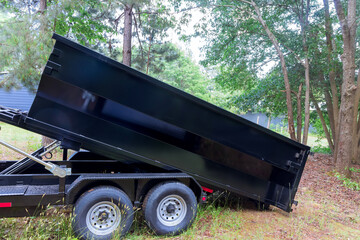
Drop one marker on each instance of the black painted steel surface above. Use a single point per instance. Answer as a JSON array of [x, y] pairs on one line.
[[93, 102]]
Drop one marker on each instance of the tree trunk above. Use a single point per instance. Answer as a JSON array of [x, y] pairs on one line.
[[148, 58], [357, 139], [357, 159], [299, 115], [329, 106], [283, 68], [344, 150], [127, 35], [46, 141], [346, 117], [356, 123], [334, 115], [43, 6], [358, 153], [42, 9], [307, 100], [321, 116], [304, 22]]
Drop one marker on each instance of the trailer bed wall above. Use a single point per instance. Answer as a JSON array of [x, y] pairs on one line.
[[93, 96]]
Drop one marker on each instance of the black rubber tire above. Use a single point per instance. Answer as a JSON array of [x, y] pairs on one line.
[[94, 196], [154, 198]]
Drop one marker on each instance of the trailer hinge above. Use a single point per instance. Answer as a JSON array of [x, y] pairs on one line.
[[57, 170]]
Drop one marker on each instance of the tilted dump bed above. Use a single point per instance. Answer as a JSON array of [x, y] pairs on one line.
[[90, 101]]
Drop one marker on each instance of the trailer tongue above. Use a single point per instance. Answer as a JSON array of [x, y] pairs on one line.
[[131, 123]]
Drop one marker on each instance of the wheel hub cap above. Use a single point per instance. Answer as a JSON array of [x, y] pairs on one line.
[[171, 210], [103, 218]]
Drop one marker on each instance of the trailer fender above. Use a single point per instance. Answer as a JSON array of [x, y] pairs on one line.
[[86, 182], [129, 183], [190, 182]]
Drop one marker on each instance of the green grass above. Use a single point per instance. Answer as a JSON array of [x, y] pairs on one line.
[[355, 170], [22, 139], [51, 224], [347, 182], [25, 140], [14, 134]]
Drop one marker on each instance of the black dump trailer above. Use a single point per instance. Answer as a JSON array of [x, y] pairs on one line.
[[138, 142]]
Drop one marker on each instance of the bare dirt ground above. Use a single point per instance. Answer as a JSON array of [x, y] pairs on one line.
[[326, 210]]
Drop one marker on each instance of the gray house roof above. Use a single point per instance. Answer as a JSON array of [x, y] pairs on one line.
[[17, 98]]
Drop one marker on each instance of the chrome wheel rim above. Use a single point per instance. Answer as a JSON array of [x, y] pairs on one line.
[[171, 210], [103, 218]]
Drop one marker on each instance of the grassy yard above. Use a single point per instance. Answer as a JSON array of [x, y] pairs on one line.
[[326, 210], [22, 139]]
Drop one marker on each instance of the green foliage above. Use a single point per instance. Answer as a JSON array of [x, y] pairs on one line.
[[82, 21], [318, 131], [185, 75], [347, 182], [317, 126], [160, 55], [355, 170], [266, 96], [170, 65], [155, 21], [25, 36], [246, 59], [321, 149], [23, 52], [25, 33], [238, 44]]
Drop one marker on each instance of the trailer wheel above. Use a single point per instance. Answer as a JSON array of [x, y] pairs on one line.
[[170, 208], [101, 213]]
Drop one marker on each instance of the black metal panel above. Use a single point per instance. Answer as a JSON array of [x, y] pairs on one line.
[[36, 201], [97, 75], [20, 211], [118, 112], [125, 181]]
